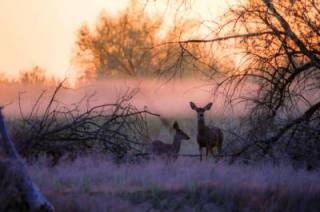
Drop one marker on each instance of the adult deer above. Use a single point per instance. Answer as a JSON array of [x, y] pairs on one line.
[[208, 138], [160, 148]]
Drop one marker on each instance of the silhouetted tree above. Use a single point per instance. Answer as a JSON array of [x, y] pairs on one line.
[[4, 79], [36, 75], [33, 76], [128, 45], [278, 42], [121, 44]]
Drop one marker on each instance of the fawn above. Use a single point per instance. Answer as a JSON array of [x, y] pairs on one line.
[[208, 138], [170, 150]]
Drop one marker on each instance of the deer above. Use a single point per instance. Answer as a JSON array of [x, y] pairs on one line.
[[207, 137], [159, 148]]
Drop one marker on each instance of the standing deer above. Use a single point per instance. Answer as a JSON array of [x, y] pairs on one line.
[[207, 137], [170, 150]]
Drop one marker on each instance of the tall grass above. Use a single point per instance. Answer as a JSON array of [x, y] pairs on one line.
[[96, 184]]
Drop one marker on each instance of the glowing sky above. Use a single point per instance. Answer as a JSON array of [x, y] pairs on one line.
[[42, 32]]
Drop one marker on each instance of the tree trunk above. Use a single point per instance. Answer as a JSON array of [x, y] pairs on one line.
[[15, 177]]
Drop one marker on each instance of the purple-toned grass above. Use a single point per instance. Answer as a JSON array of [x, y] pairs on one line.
[[91, 184]]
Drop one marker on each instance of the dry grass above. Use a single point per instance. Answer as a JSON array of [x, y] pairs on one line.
[[91, 184]]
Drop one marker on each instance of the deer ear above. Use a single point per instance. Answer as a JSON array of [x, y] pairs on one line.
[[175, 125], [193, 106], [208, 106]]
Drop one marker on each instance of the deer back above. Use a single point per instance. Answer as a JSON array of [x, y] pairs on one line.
[[159, 147]]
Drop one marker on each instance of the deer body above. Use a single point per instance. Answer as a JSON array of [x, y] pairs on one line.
[[207, 137], [163, 149]]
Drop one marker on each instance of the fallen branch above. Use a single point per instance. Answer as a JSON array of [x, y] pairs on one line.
[[62, 130]]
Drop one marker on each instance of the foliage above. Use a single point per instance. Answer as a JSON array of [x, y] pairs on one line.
[[4, 79], [36, 76], [128, 45], [33, 76]]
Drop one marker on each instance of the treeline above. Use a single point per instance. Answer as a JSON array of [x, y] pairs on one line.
[[34, 76]]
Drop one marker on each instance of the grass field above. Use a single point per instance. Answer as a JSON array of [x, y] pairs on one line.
[[96, 184]]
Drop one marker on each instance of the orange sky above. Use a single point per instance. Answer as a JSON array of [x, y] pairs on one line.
[[42, 32]]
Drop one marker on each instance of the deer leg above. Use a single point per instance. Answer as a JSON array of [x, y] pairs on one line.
[[207, 152], [211, 151], [200, 150], [213, 156], [219, 150]]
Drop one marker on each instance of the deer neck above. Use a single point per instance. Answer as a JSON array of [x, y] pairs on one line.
[[201, 125], [176, 143]]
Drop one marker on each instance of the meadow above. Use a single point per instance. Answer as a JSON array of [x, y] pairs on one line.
[[96, 182]]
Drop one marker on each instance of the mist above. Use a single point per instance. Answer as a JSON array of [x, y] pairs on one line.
[[166, 98]]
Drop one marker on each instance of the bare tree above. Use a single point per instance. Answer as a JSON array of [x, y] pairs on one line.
[[278, 43]]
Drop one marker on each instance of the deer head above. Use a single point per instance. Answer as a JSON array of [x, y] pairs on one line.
[[200, 110], [161, 148], [180, 135]]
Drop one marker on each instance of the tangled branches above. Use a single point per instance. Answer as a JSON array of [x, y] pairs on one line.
[[282, 63], [277, 46], [57, 130]]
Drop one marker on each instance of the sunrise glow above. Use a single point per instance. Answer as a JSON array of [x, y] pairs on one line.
[[42, 33]]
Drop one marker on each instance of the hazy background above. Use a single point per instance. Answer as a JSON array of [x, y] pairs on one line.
[[37, 32], [158, 96]]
